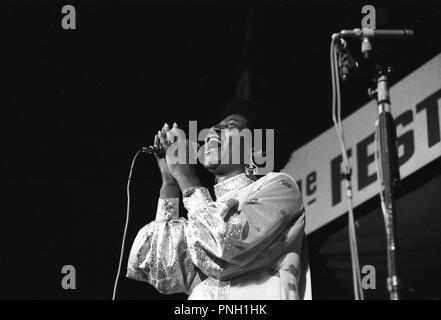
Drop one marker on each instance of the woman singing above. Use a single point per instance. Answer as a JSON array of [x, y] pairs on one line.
[[248, 243]]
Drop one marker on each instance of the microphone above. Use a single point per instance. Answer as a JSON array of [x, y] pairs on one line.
[[365, 34], [346, 62], [377, 33], [159, 151]]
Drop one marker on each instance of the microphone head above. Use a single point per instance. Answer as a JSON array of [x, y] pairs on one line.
[[377, 33], [159, 151], [354, 33], [409, 34]]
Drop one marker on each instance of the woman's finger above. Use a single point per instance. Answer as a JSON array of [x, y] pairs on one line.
[[156, 141], [164, 133], [169, 134], [177, 133], [162, 139], [164, 128]]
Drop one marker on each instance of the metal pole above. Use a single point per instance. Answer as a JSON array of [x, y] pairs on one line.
[[390, 178]]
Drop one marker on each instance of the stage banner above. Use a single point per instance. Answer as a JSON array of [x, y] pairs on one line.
[[317, 166]]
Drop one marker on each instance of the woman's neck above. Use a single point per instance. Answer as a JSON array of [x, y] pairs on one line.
[[222, 177]]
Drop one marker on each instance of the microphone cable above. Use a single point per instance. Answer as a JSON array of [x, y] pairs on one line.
[[336, 118], [115, 285]]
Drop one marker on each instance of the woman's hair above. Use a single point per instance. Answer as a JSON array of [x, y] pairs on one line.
[[259, 115], [250, 110]]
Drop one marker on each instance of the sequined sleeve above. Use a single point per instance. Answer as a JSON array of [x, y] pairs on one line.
[[225, 240], [159, 254]]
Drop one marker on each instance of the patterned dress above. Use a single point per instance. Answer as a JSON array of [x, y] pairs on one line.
[[248, 244]]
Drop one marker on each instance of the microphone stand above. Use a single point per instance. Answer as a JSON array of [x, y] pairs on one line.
[[390, 176]]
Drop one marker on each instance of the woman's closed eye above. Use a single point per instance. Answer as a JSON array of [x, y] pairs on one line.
[[229, 126], [233, 125]]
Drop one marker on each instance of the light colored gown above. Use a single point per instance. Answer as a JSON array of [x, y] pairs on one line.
[[248, 244]]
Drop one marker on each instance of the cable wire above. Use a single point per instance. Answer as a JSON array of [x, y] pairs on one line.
[[336, 117], [126, 225]]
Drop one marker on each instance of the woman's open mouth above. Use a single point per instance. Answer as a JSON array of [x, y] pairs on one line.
[[213, 142]]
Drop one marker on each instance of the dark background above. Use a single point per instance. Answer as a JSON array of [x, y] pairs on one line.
[[77, 105]]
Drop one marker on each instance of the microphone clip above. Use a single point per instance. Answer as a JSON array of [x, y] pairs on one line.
[[346, 63]]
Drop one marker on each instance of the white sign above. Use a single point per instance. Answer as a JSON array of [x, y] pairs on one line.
[[317, 165]]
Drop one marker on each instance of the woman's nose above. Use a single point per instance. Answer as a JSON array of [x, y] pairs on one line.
[[215, 130]]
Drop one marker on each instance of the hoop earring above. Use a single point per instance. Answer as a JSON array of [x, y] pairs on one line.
[[251, 168]]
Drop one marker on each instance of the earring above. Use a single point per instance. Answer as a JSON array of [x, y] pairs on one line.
[[251, 168]]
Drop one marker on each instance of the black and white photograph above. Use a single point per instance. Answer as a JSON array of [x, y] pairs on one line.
[[165, 150]]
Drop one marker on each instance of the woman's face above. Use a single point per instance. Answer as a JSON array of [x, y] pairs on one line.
[[222, 145]]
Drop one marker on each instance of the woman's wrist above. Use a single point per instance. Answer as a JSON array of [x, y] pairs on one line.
[[167, 179], [187, 179], [169, 190]]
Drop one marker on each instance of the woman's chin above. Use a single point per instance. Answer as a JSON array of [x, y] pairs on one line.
[[210, 166]]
